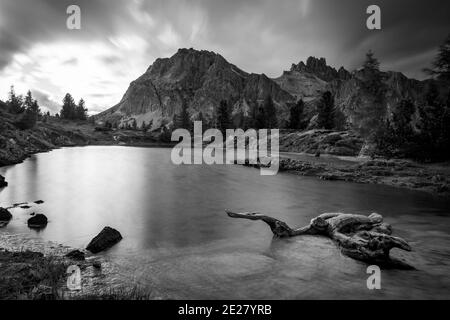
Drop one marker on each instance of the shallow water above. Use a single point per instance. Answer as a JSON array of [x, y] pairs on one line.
[[177, 237]]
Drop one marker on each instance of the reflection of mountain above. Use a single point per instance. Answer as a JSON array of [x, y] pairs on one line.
[[202, 79]]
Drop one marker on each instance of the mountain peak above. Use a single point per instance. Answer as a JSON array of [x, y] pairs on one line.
[[319, 67]]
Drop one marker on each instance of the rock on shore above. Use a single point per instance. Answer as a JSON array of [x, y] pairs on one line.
[[340, 143], [5, 215], [3, 182], [104, 240], [398, 173]]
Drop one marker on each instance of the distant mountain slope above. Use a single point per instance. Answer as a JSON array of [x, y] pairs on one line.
[[202, 79]]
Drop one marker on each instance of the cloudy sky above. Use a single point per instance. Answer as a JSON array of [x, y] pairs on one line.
[[119, 39]]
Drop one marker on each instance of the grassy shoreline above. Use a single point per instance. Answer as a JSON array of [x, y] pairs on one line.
[[38, 271]]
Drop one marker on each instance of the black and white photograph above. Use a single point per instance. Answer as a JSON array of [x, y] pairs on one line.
[[217, 150]]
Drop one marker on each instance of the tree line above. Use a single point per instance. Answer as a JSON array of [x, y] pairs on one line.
[[27, 109], [261, 115], [72, 111]]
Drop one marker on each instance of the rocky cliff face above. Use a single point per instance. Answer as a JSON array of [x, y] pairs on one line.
[[202, 79], [320, 68]]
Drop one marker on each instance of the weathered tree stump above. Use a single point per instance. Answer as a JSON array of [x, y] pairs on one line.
[[360, 237]]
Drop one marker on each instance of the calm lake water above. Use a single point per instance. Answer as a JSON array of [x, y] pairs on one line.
[[178, 239]]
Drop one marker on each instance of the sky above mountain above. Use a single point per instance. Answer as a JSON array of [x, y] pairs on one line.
[[119, 39]]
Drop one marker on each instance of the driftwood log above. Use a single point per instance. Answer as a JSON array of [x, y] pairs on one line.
[[360, 237]]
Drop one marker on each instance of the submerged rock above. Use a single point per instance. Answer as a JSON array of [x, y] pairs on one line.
[[3, 182], [5, 215], [38, 221], [39, 202], [104, 240], [76, 255]]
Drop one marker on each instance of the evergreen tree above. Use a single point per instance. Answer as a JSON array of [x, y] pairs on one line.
[[444, 139], [28, 102], [35, 108], [296, 117], [251, 121], [183, 120], [15, 102], [223, 117], [325, 118], [81, 110], [260, 119], [371, 62], [31, 104], [441, 64], [370, 108], [29, 117], [431, 124], [68, 110], [270, 113]]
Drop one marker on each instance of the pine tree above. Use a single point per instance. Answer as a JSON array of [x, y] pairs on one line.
[[81, 110], [371, 63], [270, 113], [370, 108], [223, 117], [183, 120], [29, 117], [260, 118], [430, 125], [35, 108], [325, 119], [296, 117], [15, 103], [68, 110], [441, 64], [28, 102]]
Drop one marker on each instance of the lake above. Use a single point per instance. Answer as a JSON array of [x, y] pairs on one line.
[[178, 239]]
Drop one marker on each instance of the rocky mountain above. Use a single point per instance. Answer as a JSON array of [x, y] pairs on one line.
[[201, 79], [320, 68]]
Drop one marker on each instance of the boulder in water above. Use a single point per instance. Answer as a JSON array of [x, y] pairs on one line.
[[3, 182], [104, 240], [38, 221], [5, 215]]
